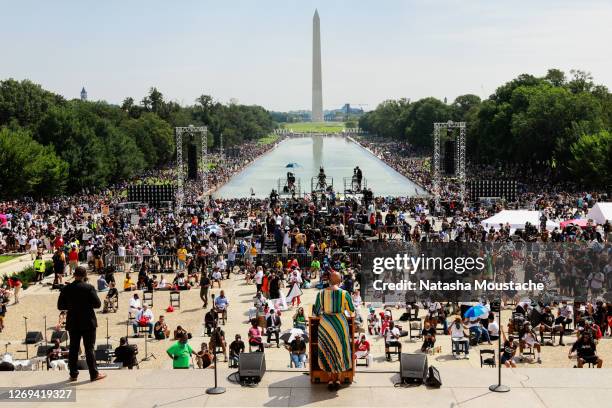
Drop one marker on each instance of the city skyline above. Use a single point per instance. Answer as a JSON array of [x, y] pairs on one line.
[[262, 54]]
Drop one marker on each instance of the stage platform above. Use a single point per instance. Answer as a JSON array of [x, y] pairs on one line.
[[463, 387]]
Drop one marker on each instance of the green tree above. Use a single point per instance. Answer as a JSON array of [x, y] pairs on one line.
[[464, 104], [556, 77], [421, 117], [591, 162], [25, 102], [153, 136], [40, 171], [581, 81], [72, 133]]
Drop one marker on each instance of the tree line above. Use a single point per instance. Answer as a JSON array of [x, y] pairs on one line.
[[50, 145], [551, 122]]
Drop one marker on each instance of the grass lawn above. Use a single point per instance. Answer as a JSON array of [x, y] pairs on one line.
[[317, 127], [268, 139], [5, 258]]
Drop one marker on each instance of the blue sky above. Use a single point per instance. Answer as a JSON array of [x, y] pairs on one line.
[[259, 52]]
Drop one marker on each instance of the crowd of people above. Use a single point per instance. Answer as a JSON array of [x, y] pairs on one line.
[[285, 246]]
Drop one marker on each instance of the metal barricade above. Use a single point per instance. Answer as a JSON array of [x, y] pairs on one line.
[[156, 263]]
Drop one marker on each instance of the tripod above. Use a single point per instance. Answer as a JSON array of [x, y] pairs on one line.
[[147, 356]]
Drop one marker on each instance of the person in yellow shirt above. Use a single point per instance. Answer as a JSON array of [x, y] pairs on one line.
[[128, 283], [39, 267], [181, 254]]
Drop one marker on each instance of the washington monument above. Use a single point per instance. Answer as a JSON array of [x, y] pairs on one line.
[[317, 92]]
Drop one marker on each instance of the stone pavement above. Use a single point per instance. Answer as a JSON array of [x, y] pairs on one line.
[[462, 387]]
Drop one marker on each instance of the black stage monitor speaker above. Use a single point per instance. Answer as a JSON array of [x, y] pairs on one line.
[[61, 335], [192, 162], [413, 368], [434, 379], [33, 337], [252, 367]]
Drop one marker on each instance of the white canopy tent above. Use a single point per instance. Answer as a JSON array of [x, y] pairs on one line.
[[601, 212], [516, 219]]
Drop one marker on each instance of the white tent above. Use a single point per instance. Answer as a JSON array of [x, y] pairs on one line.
[[601, 212], [516, 219]]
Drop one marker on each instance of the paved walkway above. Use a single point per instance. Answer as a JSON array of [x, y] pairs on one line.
[[463, 387]]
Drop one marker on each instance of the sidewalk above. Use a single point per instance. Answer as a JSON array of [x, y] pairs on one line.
[[461, 388]]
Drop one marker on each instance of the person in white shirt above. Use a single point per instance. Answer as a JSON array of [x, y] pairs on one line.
[[135, 304], [530, 339], [144, 318], [458, 337], [33, 247], [493, 328], [259, 275], [221, 264], [392, 339], [216, 277]]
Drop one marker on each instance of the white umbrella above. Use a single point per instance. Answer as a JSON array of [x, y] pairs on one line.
[[290, 334]]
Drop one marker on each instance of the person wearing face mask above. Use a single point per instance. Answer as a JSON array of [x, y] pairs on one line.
[[458, 338]]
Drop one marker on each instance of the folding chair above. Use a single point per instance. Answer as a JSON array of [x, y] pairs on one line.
[[460, 347], [175, 299], [147, 297], [393, 349], [487, 361], [549, 335], [415, 328], [365, 359]]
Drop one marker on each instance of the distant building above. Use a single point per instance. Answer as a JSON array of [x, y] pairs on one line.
[[83, 94], [344, 113]]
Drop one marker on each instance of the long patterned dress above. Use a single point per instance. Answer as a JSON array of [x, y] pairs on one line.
[[333, 334]]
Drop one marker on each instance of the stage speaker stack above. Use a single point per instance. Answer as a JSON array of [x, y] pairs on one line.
[[192, 162], [413, 368], [449, 157], [153, 195], [251, 367], [33, 337], [506, 189]]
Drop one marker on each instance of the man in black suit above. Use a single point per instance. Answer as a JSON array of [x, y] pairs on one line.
[[273, 324], [80, 299]]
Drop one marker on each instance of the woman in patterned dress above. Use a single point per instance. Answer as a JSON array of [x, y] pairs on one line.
[[334, 354]]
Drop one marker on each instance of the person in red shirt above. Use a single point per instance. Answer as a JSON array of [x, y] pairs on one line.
[[15, 284], [73, 258], [58, 243], [362, 349]]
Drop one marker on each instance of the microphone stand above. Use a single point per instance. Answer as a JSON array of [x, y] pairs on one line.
[[147, 356], [499, 387], [45, 331], [107, 336], [26, 339], [216, 389]]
